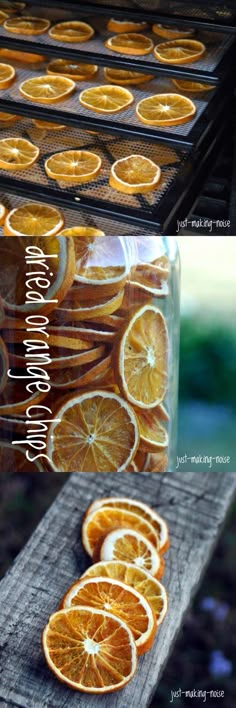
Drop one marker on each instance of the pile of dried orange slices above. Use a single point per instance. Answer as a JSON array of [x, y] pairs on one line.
[[111, 614]]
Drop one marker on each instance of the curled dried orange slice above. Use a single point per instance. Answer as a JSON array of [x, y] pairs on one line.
[[46, 125], [98, 649], [123, 77], [93, 248], [47, 89], [133, 547], [106, 99], [7, 119], [115, 25], [72, 70], [17, 154], [165, 109], [92, 374], [192, 86], [12, 7], [172, 32], [134, 174], [25, 57], [7, 75], [74, 166], [179, 51], [27, 25], [71, 31], [130, 43], [153, 435], [33, 219], [102, 520], [73, 308]]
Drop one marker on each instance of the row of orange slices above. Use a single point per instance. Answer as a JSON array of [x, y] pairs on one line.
[[112, 613]]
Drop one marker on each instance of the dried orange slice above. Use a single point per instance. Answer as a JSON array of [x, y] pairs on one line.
[[33, 219], [165, 109], [12, 7], [13, 457], [15, 399], [7, 119], [153, 435], [140, 357], [3, 213], [46, 125], [3, 16], [74, 166], [72, 70], [131, 546], [7, 75], [72, 31], [25, 57], [90, 650], [157, 462], [101, 521], [130, 43], [92, 248], [77, 309], [27, 25], [136, 507], [179, 51], [123, 77], [106, 99], [172, 32], [137, 578], [81, 376], [17, 154], [88, 438], [3, 365], [147, 279], [192, 86], [47, 89], [134, 174], [115, 25], [122, 601]]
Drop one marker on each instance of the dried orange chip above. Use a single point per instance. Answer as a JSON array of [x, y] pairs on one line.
[[131, 546], [157, 462], [7, 119], [134, 174], [90, 650], [148, 278], [27, 25], [17, 154], [165, 109], [130, 43], [153, 435], [46, 125], [7, 75], [179, 51], [72, 70], [115, 25], [33, 219], [15, 399], [93, 248], [25, 57], [106, 99], [80, 376], [55, 338], [71, 31], [192, 86], [12, 7], [99, 522], [77, 310], [13, 457], [61, 357], [3, 16], [172, 32], [122, 601], [123, 77], [47, 89], [74, 166]]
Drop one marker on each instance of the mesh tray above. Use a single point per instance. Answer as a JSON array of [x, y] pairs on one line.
[[123, 122]]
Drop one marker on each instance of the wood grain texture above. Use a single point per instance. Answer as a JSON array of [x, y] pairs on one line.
[[194, 506]]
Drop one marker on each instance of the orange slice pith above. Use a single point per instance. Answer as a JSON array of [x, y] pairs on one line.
[[90, 650], [3, 214], [33, 219], [192, 86], [140, 357], [47, 89], [165, 109], [131, 546], [172, 32], [106, 99], [17, 154], [74, 166], [123, 77], [13, 457], [25, 57], [3, 365], [130, 43], [179, 51], [72, 70], [72, 31], [7, 75], [139, 508], [7, 119], [121, 600], [134, 174], [27, 25], [88, 436], [115, 25], [99, 522], [135, 577]]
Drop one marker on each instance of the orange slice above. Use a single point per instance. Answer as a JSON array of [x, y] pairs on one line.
[[3, 365], [134, 174], [92, 247], [7, 119], [137, 578], [72, 70], [47, 89], [3, 213], [74, 166], [100, 522], [7, 75], [13, 457], [33, 219], [46, 125], [90, 650], [25, 57], [123, 77], [148, 279], [115, 25], [97, 433], [192, 86], [157, 462], [12, 7], [130, 43], [129, 545], [136, 507], [165, 109], [179, 51], [79, 310], [122, 601], [15, 399], [153, 435], [172, 32], [3, 17], [80, 376], [106, 99], [27, 25], [17, 154], [140, 357], [72, 31]]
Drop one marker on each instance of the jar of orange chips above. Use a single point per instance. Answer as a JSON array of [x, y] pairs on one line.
[[89, 350]]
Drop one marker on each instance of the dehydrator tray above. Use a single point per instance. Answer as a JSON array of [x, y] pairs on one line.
[[71, 112], [209, 68]]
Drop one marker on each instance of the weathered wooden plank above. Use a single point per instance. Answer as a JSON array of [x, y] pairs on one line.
[[194, 505]]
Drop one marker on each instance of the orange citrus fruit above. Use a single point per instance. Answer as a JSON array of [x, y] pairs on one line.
[[100, 522], [148, 279], [3, 365], [123, 77], [81, 376], [3, 214], [7, 75], [72, 70], [153, 435], [25, 57], [171, 32], [71, 31], [115, 25], [130, 43], [73, 308], [17, 154], [90, 650], [15, 399], [74, 166], [179, 51], [47, 89], [135, 577], [7, 119], [140, 357], [106, 99], [92, 247], [46, 125], [134, 174], [27, 25], [130, 545], [122, 601], [13, 458], [165, 109], [88, 438], [33, 219], [12, 7], [192, 86]]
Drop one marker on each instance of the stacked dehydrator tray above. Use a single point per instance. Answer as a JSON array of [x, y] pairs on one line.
[[196, 158]]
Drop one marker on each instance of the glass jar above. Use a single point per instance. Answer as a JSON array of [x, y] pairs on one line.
[[89, 351]]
